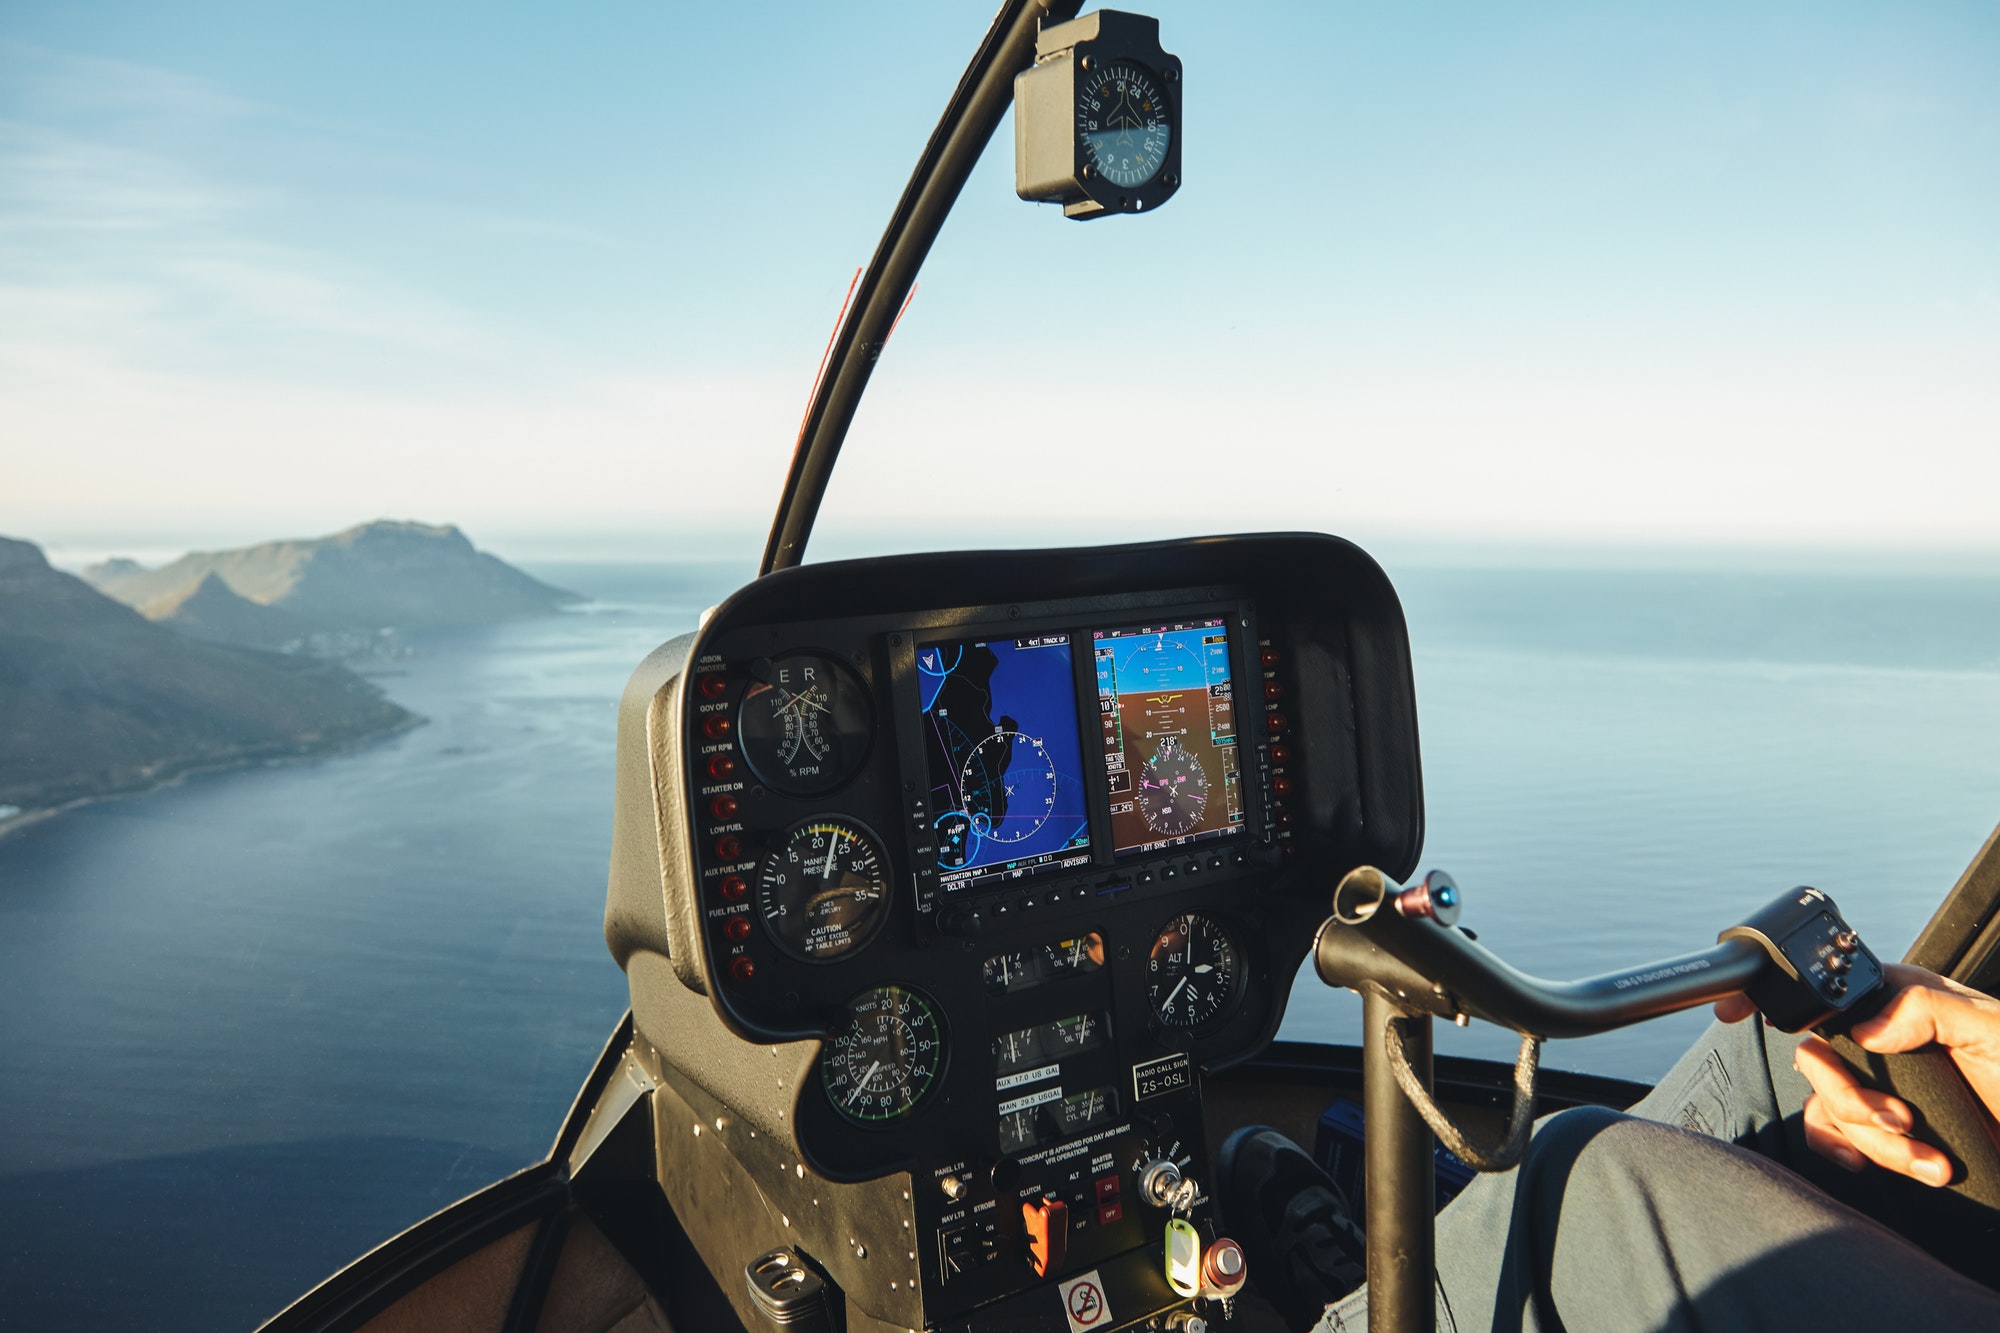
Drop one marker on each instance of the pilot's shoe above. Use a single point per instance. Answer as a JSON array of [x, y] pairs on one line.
[[1295, 1225]]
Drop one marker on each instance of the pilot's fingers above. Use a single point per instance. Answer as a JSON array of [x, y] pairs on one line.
[[1824, 1137], [1847, 1144], [1929, 1009], [1734, 1008], [1842, 1097]]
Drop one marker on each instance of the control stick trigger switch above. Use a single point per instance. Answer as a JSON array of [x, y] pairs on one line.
[[1047, 1224]]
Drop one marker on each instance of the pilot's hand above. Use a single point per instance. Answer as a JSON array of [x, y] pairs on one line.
[[1853, 1125]]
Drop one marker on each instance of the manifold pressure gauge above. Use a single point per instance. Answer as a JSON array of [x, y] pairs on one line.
[[824, 891], [1097, 118]]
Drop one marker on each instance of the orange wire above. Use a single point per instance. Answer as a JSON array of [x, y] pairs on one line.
[[820, 374], [897, 322]]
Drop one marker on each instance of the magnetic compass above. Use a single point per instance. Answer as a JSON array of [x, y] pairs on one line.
[[1097, 117], [886, 1056], [1123, 123], [1173, 790], [803, 723]]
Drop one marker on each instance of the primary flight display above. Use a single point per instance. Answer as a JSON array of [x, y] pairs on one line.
[[1169, 730], [1005, 757]]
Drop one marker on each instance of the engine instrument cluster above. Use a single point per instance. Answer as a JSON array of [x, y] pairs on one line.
[[1025, 842]]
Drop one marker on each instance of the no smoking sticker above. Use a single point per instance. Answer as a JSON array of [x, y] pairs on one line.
[[1084, 1303]]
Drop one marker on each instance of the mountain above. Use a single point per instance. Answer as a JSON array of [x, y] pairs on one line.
[[210, 610], [96, 699], [410, 576]]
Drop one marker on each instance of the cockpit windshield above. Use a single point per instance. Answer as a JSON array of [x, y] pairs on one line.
[[441, 363]]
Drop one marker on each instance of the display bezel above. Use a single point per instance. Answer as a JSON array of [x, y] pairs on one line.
[[1240, 624], [954, 881], [1245, 771]]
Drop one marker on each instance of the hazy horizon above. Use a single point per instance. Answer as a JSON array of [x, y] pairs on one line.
[[743, 545], [1721, 276]]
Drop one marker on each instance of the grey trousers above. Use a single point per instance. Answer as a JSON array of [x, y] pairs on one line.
[[1701, 1209]]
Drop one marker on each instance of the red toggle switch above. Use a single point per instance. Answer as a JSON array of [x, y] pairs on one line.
[[1047, 1221]]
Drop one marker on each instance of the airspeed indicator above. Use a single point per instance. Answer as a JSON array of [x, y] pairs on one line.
[[887, 1055]]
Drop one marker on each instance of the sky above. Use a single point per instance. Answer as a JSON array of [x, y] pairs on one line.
[[1563, 275]]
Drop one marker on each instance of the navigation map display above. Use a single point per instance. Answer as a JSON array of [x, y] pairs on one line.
[[1169, 722], [1005, 758]]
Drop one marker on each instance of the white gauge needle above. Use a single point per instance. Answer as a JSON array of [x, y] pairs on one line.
[[796, 701], [1204, 967], [1168, 1003], [861, 1084]]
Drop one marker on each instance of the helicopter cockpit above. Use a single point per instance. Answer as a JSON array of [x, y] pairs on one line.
[[974, 863], [956, 890]]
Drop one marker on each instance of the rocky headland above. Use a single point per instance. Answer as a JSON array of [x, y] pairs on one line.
[[131, 677], [402, 577]]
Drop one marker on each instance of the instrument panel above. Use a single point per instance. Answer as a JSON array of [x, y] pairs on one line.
[[1026, 841]]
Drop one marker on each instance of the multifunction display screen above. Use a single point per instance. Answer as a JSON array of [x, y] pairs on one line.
[[1005, 758], [1169, 726]]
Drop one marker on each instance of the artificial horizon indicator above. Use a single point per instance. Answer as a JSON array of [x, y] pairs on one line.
[[1167, 708]]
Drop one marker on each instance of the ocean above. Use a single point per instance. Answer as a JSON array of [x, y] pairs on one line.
[[254, 1023]]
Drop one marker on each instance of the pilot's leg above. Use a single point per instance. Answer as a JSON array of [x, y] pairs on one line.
[[1615, 1223]]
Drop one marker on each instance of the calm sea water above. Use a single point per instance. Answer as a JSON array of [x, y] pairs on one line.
[[253, 1024]]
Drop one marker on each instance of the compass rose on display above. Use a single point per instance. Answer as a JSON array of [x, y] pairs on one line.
[[1009, 785]]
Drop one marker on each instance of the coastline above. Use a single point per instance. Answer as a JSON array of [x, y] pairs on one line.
[[173, 775]]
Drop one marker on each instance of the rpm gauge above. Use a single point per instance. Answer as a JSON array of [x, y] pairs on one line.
[[825, 890], [803, 723], [886, 1056], [1192, 973]]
